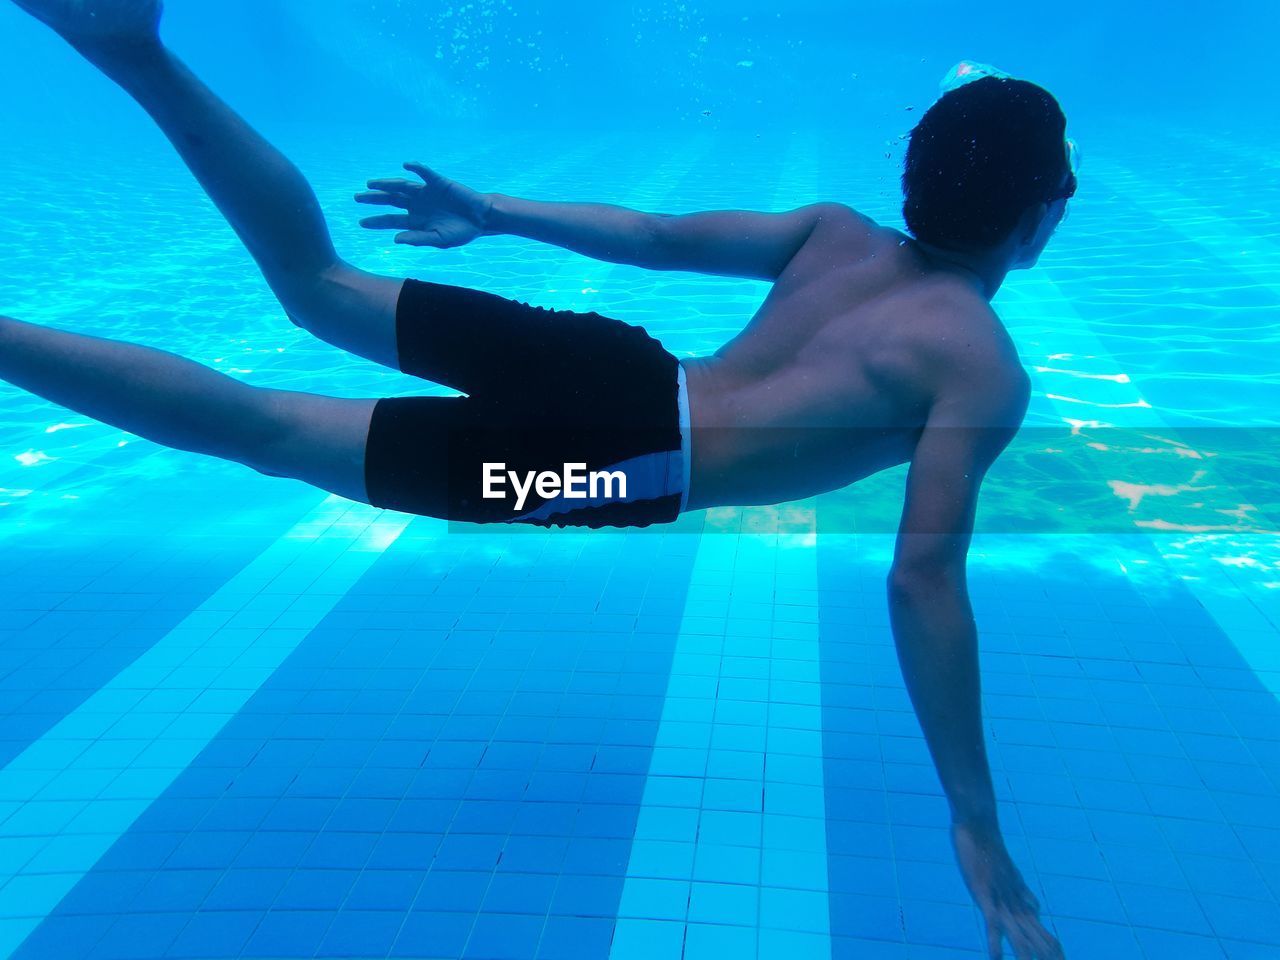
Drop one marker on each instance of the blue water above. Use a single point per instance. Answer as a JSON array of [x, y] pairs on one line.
[[239, 718]]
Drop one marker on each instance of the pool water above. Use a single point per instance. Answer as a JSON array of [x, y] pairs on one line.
[[241, 718]]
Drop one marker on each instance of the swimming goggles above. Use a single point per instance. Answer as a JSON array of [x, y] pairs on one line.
[[1073, 168], [966, 71]]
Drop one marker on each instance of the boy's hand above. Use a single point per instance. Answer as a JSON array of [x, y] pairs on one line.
[[439, 212], [1008, 906]]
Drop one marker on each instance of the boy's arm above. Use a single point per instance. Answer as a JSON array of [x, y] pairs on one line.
[[731, 243], [937, 641], [439, 212], [932, 620]]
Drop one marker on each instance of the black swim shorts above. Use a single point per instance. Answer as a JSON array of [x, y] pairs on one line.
[[569, 419]]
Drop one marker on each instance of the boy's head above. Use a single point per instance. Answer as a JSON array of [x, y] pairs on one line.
[[990, 157]]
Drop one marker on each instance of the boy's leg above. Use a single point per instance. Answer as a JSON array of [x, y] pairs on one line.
[[263, 196], [181, 404]]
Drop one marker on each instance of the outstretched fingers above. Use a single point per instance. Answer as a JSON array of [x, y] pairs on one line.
[[995, 942], [1044, 944], [1026, 936], [414, 238], [439, 213], [387, 221], [426, 173], [379, 199], [401, 187], [396, 185], [420, 238]]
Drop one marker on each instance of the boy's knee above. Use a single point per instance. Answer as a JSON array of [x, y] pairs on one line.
[[305, 295], [320, 298], [342, 305]]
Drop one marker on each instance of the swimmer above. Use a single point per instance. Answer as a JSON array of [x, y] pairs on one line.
[[872, 349]]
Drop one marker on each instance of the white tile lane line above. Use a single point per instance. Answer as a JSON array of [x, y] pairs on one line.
[[71, 794], [732, 827], [1237, 606], [731, 845]]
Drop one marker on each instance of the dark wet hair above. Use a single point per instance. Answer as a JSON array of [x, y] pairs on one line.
[[978, 158]]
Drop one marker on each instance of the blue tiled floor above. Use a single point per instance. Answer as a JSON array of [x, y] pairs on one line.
[[393, 791], [386, 774], [1122, 834]]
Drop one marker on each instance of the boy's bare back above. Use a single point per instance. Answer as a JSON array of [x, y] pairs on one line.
[[834, 377]]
